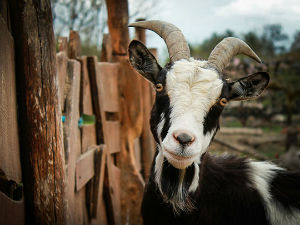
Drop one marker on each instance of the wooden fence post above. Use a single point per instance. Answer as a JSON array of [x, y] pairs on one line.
[[147, 141], [131, 113], [39, 112], [106, 50]]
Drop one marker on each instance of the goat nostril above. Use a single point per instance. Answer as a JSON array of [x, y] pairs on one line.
[[184, 138]]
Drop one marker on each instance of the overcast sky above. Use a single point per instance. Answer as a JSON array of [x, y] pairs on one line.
[[198, 19]]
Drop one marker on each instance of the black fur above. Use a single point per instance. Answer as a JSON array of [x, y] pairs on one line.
[[211, 120], [170, 181], [161, 106], [224, 196]]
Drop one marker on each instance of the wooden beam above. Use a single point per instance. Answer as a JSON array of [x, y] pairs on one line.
[[85, 168], [9, 139], [76, 210], [91, 64], [131, 113], [74, 48], [88, 133], [63, 45], [39, 112], [140, 33], [61, 68], [147, 140], [106, 50], [117, 22]]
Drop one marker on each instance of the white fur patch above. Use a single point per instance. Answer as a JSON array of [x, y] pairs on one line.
[[192, 90], [195, 182], [158, 168], [262, 174]]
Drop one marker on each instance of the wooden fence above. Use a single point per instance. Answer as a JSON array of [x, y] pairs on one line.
[[102, 180]]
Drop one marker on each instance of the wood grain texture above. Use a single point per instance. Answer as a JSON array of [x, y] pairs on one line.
[[92, 61], [98, 207], [76, 209], [117, 22], [9, 140], [106, 50], [11, 212], [131, 113], [113, 191], [112, 136], [63, 45], [107, 81], [88, 133], [85, 168], [147, 141], [97, 191], [74, 47], [61, 69], [39, 112]]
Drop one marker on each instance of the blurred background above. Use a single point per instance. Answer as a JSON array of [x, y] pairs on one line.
[[75, 139], [270, 124]]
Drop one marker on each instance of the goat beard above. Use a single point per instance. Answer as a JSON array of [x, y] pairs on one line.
[[174, 184]]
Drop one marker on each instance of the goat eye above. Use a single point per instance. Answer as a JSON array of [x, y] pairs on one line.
[[159, 87], [223, 101]]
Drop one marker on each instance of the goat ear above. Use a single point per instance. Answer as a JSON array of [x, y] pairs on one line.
[[143, 61], [249, 87]]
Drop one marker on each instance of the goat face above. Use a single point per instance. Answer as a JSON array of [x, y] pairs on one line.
[[190, 96]]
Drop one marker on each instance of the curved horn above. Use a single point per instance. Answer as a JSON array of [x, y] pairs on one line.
[[228, 48], [177, 46]]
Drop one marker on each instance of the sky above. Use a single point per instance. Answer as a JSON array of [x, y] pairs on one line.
[[198, 19]]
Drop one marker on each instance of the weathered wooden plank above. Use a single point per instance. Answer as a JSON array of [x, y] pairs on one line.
[[63, 45], [74, 47], [131, 112], [76, 210], [146, 153], [113, 191], [11, 212], [61, 65], [117, 22], [88, 133], [39, 112], [106, 50], [107, 81], [140, 33], [99, 159], [112, 136], [9, 140], [85, 167], [92, 61]]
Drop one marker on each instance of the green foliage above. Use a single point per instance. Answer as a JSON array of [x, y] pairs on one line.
[[90, 50], [268, 44], [272, 128]]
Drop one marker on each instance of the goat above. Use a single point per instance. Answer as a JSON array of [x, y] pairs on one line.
[[187, 185]]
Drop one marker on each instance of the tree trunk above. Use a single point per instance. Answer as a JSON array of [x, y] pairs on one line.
[[39, 112]]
